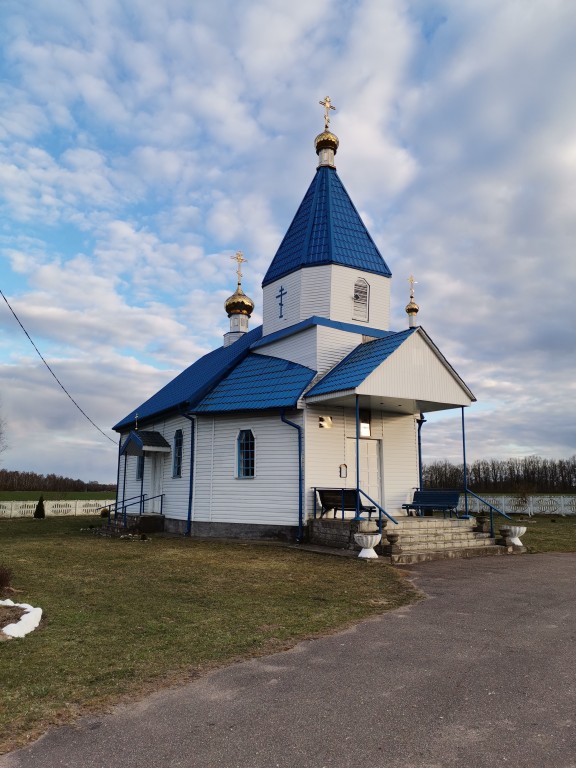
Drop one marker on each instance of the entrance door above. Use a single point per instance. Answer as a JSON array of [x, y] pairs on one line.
[[157, 462], [370, 471]]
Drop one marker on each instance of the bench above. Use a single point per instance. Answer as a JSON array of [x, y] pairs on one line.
[[341, 499], [431, 501]]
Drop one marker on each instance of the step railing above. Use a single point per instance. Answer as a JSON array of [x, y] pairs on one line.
[[140, 500], [491, 507]]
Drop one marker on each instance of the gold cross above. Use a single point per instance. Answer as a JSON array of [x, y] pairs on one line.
[[412, 284], [239, 257], [327, 104]]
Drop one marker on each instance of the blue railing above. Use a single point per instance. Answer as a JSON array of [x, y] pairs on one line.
[[342, 507], [491, 507], [140, 500]]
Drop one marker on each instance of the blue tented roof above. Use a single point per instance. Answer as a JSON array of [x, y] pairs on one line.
[[327, 229], [257, 383], [190, 386], [359, 364]]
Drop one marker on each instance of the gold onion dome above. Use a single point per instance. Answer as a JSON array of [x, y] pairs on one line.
[[239, 303], [326, 140], [412, 308]]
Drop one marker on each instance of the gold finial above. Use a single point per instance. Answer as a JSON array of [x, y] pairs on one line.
[[239, 257], [239, 303], [412, 308], [136, 421], [327, 104]]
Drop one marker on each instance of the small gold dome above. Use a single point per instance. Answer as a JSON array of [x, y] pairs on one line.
[[239, 303], [326, 140], [412, 308]]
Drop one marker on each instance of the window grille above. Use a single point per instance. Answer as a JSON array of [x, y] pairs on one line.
[[177, 454], [361, 300], [246, 453]]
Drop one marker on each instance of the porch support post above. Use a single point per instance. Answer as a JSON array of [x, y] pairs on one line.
[[142, 483], [357, 457], [124, 492], [420, 422], [464, 459]]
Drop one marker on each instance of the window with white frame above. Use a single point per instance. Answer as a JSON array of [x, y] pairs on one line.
[[177, 454], [361, 300], [246, 453]]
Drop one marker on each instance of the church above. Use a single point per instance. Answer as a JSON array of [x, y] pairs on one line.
[[322, 395]]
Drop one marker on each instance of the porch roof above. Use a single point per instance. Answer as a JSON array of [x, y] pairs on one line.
[[144, 441]]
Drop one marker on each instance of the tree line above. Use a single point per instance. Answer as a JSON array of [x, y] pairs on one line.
[[531, 474], [11, 480]]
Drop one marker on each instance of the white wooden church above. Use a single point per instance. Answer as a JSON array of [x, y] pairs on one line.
[[236, 444]]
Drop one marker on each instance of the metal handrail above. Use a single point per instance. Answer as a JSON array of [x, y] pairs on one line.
[[381, 511], [141, 499], [491, 507]]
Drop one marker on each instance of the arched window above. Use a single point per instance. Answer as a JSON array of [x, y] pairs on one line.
[[361, 300], [246, 453], [177, 454]]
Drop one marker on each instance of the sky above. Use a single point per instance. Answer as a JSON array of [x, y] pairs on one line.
[[142, 144]]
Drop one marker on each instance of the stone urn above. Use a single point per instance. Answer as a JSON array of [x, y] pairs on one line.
[[367, 541], [511, 535]]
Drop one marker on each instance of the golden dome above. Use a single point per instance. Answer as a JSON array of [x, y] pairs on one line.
[[326, 140], [239, 303], [412, 308]]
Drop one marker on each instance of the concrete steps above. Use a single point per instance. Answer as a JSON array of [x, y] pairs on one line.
[[426, 538]]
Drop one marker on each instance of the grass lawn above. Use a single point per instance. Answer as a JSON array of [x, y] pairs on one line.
[[549, 533], [124, 617], [56, 495]]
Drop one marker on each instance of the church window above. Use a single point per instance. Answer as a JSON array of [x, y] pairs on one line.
[[246, 453], [177, 454], [361, 300], [140, 467]]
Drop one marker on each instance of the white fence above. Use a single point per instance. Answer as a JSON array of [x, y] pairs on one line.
[[53, 508], [536, 504]]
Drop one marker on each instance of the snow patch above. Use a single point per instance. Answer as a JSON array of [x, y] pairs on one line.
[[28, 621]]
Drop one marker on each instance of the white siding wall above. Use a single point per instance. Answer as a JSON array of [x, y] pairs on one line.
[[326, 291], [342, 282], [300, 348], [271, 497], [326, 450], [400, 453], [333, 346], [415, 372], [175, 489], [272, 322]]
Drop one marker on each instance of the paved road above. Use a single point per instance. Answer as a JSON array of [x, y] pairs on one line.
[[480, 674]]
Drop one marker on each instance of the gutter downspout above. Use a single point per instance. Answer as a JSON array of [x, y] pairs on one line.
[[300, 476], [465, 470], [357, 457], [123, 493], [192, 420], [420, 422], [117, 480]]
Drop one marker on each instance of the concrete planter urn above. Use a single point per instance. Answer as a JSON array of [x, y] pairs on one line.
[[511, 535], [367, 541]]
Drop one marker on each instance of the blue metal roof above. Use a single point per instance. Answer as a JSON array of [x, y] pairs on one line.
[[190, 386], [258, 382], [365, 358], [327, 229]]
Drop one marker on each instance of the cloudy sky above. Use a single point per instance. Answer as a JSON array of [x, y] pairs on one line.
[[142, 143]]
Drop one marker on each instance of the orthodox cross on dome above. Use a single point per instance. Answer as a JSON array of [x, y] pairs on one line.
[[327, 104], [239, 258], [280, 296], [412, 284]]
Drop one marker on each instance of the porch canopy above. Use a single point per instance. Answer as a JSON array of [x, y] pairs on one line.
[[139, 442], [402, 373]]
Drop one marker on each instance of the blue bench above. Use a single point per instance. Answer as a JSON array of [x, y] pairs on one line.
[[433, 501]]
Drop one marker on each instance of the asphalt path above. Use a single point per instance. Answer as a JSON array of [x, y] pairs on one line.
[[479, 674]]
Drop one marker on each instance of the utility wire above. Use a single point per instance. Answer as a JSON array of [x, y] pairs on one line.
[[52, 372]]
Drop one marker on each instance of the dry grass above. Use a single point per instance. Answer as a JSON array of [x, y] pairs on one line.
[[124, 617]]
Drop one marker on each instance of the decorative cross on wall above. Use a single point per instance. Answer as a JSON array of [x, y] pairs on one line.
[[280, 295]]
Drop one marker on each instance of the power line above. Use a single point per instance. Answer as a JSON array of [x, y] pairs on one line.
[[52, 372]]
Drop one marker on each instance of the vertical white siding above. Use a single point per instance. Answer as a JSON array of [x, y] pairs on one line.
[[414, 371], [316, 293], [342, 297], [400, 453], [300, 348], [269, 498], [333, 346], [291, 313]]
